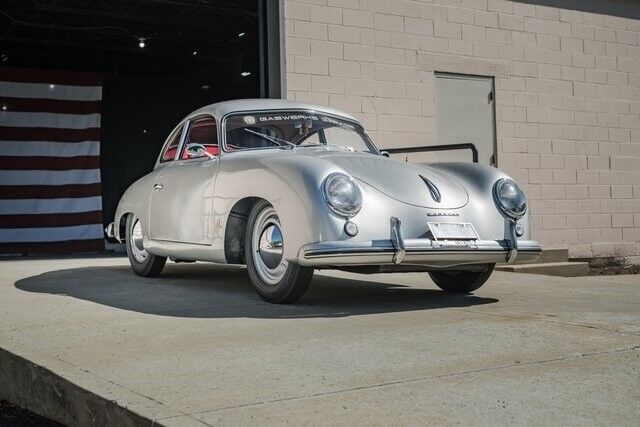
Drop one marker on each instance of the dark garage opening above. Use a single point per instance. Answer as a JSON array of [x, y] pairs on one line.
[[159, 60]]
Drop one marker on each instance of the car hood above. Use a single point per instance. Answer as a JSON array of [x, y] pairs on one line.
[[418, 185]]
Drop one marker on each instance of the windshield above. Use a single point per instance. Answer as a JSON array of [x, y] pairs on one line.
[[294, 129]]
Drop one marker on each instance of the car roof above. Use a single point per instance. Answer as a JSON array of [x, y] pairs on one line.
[[221, 109]]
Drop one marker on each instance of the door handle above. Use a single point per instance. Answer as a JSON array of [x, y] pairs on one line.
[[158, 187]]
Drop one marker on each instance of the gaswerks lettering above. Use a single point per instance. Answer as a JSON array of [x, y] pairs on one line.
[[286, 117], [336, 122]]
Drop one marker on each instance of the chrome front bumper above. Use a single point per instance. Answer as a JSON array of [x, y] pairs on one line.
[[423, 252]]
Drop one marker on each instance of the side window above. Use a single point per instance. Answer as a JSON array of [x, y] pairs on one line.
[[172, 147], [203, 132]]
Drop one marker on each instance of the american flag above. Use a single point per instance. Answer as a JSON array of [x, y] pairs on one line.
[[50, 196]]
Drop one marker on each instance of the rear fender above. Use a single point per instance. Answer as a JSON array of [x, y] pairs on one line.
[[135, 200]]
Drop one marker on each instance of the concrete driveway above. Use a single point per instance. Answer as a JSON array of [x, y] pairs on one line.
[[197, 346]]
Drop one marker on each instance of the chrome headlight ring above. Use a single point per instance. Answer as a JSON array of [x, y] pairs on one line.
[[510, 199], [342, 194]]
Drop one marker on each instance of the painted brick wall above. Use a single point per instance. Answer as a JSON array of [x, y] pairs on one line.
[[567, 96]]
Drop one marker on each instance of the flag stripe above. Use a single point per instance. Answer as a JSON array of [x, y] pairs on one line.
[[50, 220], [49, 120], [50, 91], [49, 191], [49, 134], [50, 105], [51, 234], [49, 163], [40, 177], [49, 206], [70, 246], [48, 148], [26, 75]]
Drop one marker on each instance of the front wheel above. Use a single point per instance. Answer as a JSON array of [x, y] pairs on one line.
[[275, 279], [142, 262], [461, 282]]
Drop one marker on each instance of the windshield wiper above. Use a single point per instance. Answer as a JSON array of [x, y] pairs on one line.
[[277, 141]]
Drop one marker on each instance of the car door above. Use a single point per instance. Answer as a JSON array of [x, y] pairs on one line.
[[181, 208], [167, 156]]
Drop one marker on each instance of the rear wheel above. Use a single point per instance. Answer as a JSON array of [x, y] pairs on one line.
[[461, 282], [142, 262], [274, 278]]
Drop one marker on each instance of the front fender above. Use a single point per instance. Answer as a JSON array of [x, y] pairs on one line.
[[479, 181], [291, 184]]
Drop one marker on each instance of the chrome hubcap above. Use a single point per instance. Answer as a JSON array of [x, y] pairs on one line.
[[136, 242], [268, 247]]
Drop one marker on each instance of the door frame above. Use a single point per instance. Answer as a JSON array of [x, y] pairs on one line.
[[271, 48]]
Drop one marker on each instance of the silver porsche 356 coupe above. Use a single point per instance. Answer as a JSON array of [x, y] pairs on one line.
[[286, 188]]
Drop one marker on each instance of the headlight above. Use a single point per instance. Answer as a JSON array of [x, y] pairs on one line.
[[510, 198], [342, 194]]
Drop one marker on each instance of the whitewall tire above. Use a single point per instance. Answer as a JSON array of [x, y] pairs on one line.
[[274, 278]]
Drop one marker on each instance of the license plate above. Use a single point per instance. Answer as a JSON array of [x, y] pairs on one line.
[[453, 231]]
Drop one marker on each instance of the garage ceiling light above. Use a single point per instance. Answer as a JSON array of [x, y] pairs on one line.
[[240, 35], [245, 73], [141, 42]]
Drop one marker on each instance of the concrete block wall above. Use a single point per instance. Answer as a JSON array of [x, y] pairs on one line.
[[567, 96]]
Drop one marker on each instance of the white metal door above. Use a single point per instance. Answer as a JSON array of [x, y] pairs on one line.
[[465, 113]]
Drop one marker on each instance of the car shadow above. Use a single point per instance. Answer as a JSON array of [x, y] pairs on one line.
[[210, 291]]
